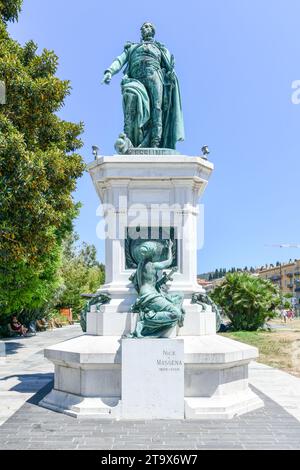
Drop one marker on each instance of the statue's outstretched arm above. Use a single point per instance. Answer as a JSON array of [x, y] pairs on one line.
[[115, 67], [165, 264]]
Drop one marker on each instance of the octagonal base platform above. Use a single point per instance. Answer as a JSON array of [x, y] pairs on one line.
[[88, 377], [78, 406]]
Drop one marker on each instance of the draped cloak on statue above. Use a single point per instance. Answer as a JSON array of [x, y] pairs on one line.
[[173, 125]]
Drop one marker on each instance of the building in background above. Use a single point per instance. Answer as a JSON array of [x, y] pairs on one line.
[[209, 286], [287, 277]]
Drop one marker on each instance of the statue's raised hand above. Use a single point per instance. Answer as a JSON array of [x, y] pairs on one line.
[[107, 78], [169, 244]]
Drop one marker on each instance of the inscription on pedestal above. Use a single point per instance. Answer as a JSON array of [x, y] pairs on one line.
[[152, 378], [169, 361]]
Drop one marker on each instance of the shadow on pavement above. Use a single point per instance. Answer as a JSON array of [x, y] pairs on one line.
[[35, 399], [12, 347], [29, 383]]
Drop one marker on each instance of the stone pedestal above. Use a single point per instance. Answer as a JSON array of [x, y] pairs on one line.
[[216, 378], [150, 190], [152, 379], [87, 376], [101, 374], [107, 322], [2, 352]]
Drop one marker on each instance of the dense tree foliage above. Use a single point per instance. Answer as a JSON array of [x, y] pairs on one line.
[[10, 9], [39, 167]]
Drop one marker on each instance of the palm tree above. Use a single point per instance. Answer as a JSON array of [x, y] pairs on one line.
[[247, 300]]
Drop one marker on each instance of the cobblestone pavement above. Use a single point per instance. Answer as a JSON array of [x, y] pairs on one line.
[[25, 370], [32, 427]]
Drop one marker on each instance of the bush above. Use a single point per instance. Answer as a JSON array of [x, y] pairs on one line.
[[248, 301], [4, 331]]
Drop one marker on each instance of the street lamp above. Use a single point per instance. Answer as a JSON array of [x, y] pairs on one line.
[[205, 151], [95, 151]]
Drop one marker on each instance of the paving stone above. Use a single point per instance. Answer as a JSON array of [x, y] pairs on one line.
[[262, 432], [33, 427]]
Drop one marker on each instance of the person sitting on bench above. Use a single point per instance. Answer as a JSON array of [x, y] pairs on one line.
[[17, 327]]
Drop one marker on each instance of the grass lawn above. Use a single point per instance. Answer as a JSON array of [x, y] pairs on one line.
[[279, 348]]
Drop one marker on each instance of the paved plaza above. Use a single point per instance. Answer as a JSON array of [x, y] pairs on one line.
[[26, 377]]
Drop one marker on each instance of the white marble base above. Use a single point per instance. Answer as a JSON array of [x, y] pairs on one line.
[[216, 378], [198, 322], [166, 189], [88, 377], [78, 406], [110, 323], [152, 379], [2, 352], [107, 323], [223, 407]]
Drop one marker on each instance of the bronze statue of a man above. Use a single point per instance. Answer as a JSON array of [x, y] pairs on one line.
[[151, 95]]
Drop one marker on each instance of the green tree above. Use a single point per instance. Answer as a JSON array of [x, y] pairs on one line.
[[247, 300], [39, 167], [81, 273], [88, 254], [10, 9]]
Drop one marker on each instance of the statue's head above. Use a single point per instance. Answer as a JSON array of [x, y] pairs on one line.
[[198, 297], [150, 250], [147, 251], [122, 144], [148, 31]]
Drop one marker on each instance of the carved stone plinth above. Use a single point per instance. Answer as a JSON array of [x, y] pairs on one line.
[[167, 190], [100, 375]]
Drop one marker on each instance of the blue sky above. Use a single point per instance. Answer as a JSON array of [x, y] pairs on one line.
[[236, 61]]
